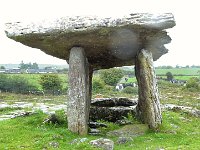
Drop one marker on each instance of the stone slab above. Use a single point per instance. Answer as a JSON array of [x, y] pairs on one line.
[[108, 42]]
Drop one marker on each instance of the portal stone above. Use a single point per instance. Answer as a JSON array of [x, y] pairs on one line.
[[79, 94], [148, 108]]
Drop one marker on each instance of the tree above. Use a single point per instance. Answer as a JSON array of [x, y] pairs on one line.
[[177, 66], [29, 65], [22, 65], [111, 76], [3, 82], [169, 76], [34, 66], [51, 83], [2, 67]]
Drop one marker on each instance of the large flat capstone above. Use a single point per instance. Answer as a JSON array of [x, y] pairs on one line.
[[108, 42]]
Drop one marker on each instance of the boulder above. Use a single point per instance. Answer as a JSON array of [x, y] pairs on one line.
[[112, 109], [52, 118], [132, 130], [112, 114]]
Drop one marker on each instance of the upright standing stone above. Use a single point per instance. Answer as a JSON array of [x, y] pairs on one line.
[[148, 108], [79, 93]]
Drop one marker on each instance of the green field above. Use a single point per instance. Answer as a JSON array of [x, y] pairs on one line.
[[179, 71], [35, 78]]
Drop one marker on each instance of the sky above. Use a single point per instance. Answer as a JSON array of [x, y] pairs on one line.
[[183, 50]]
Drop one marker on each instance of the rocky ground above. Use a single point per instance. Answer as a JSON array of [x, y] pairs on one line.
[[109, 107], [114, 109]]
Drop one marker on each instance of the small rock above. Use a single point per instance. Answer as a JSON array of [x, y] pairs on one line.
[[57, 137], [123, 122], [105, 144], [123, 140], [160, 149], [21, 114], [96, 125], [171, 132], [94, 131], [83, 140], [79, 140], [54, 144], [51, 119]]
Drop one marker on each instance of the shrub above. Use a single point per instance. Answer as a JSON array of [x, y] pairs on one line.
[[97, 85], [22, 85], [111, 76], [193, 84], [16, 84], [169, 76], [51, 83], [130, 90]]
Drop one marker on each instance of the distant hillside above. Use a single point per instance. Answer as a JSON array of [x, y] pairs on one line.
[[41, 66]]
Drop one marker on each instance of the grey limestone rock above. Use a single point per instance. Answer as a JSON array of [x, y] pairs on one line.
[[52, 118], [79, 140], [96, 125], [113, 102], [192, 111], [108, 42], [105, 144], [112, 114], [123, 140], [148, 108], [132, 130], [94, 131]]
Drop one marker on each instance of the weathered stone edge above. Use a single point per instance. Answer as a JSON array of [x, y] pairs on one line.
[[81, 23]]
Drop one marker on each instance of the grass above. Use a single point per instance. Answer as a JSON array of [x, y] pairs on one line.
[[7, 110], [178, 131], [15, 132], [184, 77], [12, 97], [179, 71]]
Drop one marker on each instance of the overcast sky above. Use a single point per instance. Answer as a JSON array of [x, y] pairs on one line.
[[183, 50]]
